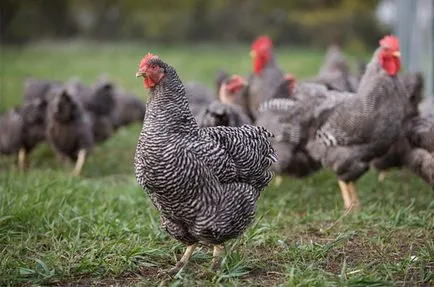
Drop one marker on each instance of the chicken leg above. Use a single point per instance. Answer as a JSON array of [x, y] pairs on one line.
[[21, 158], [184, 259], [216, 257], [345, 194], [382, 176], [278, 180], [355, 202], [349, 194], [80, 162]]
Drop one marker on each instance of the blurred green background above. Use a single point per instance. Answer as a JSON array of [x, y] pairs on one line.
[[302, 22]]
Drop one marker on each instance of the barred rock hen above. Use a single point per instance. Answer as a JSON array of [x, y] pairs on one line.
[[204, 182], [267, 78], [69, 129], [413, 83], [289, 121], [362, 128]]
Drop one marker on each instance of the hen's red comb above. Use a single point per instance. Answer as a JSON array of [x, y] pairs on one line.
[[390, 42], [146, 59], [262, 42]]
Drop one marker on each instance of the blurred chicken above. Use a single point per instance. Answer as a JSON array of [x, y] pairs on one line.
[[69, 130], [198, 96], [363, 127], [11, 126], [128, 109], [395, 156], [267, 78], [99, 101], [335, 73]]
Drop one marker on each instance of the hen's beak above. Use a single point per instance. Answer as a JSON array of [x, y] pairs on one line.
[[252, 54], [140, 74], [397, 54]]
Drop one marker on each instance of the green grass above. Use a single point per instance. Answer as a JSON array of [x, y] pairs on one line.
[[101, 228]]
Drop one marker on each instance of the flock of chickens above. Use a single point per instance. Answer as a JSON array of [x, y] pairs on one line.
[[204, 161], [71, 117], [204, 164]]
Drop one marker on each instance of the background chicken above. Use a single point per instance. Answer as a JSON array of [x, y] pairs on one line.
[[128, 109], [99, 101], [204, 182], [11, 126], [69, 130], [231, 109], [335, 72], [198, 96], [267, 78], [363, 127], [395, 156]]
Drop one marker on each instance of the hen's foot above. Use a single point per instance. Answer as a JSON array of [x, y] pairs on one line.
[[216, 257], [183, 261]]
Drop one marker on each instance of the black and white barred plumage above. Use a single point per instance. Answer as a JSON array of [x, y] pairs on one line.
[[205, 182]]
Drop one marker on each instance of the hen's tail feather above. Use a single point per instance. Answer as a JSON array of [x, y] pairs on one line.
[[251, 151]]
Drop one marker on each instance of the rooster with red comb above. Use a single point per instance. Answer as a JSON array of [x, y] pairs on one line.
[[363, 127], [204, 181], [267, 79]]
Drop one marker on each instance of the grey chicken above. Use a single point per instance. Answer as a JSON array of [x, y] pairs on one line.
[[266, 81], [335, 73], [289, 120], [198, 96], [221, 114], [38, 89], [231, 109], [204, 182], [363, 127], [128, 109], [394, 157], [99, 101], [11, 126], [419, 157], [69, 130]]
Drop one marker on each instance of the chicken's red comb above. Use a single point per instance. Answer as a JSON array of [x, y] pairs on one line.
[[262, 42], [390, 42], [146, 59]]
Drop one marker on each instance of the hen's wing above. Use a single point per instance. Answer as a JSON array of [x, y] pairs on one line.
[[249, 150]]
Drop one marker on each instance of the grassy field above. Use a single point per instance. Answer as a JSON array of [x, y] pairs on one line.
[[101, 229]]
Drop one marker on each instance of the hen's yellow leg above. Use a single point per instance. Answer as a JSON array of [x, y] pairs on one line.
[[183, 261], [355, 202], [217, 257], [22, 159], [278, 180], [80, 162], [345, 194], [382, 176]]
